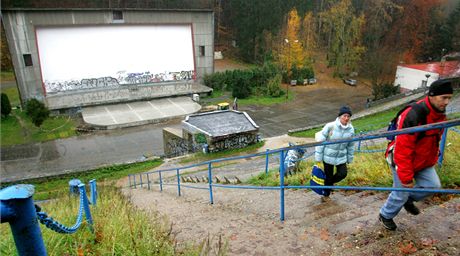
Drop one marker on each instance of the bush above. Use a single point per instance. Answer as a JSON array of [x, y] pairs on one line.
[[37, 111], [5, 105], [273, 86], [384, 90], [300, 74]]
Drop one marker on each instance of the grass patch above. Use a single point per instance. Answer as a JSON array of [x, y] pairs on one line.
[[201, 157], [218, 96], [11, 131], [120, 229], [19, 129], [371, 169], [13, 95], [7, 76], [265, 100]]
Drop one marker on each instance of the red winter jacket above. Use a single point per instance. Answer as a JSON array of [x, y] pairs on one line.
[[411, 153]]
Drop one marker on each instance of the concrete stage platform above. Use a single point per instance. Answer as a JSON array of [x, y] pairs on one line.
[[139, 112]]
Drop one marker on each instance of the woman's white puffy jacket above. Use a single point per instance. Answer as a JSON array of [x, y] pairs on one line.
[[335, 154]]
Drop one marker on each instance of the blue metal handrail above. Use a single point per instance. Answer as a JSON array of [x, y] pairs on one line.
[[281, 151]]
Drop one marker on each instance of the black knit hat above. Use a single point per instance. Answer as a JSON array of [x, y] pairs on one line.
[[344, 110], [440, 87]]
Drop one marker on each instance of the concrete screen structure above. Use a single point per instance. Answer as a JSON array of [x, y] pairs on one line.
[[108, 52], [92, 57]]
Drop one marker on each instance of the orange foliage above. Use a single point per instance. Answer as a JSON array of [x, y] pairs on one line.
[[411, 29]]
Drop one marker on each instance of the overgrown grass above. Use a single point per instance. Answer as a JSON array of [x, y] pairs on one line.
[[52, 187], [120, 229], [371, 169]]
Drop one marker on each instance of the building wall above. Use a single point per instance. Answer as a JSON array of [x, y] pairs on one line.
[[20, 31], [239, 140], [411, 79]]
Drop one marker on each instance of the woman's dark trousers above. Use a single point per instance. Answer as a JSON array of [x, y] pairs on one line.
[[331, 178]]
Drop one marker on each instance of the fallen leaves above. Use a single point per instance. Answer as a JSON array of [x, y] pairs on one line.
[[407, 247], [324, 234]]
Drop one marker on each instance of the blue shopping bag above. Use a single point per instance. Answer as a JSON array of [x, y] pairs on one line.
[[317, 179]]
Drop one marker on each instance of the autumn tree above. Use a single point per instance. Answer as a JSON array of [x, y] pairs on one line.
[[291, 50], [308, 36], [344, 32], [379, 60], [411, 29]]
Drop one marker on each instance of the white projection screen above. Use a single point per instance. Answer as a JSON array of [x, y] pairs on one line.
[[111, 56]]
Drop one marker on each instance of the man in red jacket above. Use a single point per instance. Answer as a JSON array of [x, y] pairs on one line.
[[412, 157]]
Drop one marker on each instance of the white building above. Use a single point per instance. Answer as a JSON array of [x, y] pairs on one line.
[[413, 76]]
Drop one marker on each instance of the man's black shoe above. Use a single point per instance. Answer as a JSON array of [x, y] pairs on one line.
[[411, 208], [387, 223]]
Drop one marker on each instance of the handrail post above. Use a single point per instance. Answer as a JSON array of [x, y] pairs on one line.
[[211, 199], [442, 147], [18, 209], [282, 186], [266, 160], [161, 181], [84, 198], [93, 188], [140, 179], [148, 181], [178, 182], [359, 143]]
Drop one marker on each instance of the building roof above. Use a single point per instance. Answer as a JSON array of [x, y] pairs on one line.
[[188, 5], [445, 69], [220, 123]]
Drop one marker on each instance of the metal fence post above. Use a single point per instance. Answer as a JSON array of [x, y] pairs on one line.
[[18, 209], [140, 179], [129, 180], [134, 180], [359, 143], [211, 199], [161, 181], [83, 196], [148, 181], [93, 187], [282, 186], [178, 182], [266, 161], [442, 147]]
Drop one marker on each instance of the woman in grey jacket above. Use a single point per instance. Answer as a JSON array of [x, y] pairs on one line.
[[335, 155]]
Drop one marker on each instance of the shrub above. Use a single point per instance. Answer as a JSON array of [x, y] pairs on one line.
[[37, 111], [273, 86], [384, 90], [300, 74], [5, 105]]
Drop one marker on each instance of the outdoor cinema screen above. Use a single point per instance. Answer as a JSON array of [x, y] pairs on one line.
[[111, 56]]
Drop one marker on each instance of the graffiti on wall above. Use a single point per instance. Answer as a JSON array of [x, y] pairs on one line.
[[237, 141], [122, 78]]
